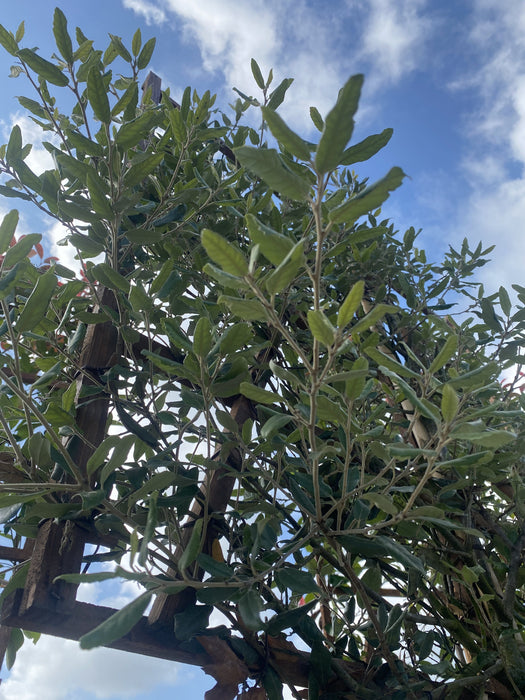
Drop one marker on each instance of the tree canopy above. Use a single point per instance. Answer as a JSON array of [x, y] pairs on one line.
[[260, 399]]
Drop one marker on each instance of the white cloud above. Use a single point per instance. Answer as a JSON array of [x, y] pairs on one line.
[[39, 159], [152, 13], [57, 669], [394, 37]]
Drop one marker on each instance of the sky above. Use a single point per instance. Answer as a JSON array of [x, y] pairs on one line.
[[447, 75]]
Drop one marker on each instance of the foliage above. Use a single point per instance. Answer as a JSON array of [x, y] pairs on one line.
[[302, 422]]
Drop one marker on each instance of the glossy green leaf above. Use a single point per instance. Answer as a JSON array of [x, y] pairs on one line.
[[449, 403], [228, 256], [14, 145], [267, 164], [62, 38], [120, 48], [202, 337], [277, 96], [97, 96], [256, 72], [287, 270], [97, 195], [250, 605], [285, 136], [7, 229], [367, 148], [296, 580], [504, 301], [146, 53], [321, 328], [351, 303], [274, 246], [37, 305], [317, 118], [110, 278], [193, 547], [446, 353], [140, 170], [21, 249], [7, 41], [371, 318], [84, 145], [338, 126], [489, 316], [256, 393], [368, 200], [46, 70], [118, 625], [133, 132], [387, 361]]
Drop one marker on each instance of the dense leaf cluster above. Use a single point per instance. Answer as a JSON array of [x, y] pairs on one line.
[[305, 428]]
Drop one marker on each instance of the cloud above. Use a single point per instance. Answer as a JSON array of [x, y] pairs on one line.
[[394, 37], [39, 159], [152, 13], [319, 46], [57, 669]]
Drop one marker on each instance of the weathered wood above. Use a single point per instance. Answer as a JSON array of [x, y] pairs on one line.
[[84, 617], [59, 548]]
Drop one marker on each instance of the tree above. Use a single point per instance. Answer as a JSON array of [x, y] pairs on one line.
[[263, 402]]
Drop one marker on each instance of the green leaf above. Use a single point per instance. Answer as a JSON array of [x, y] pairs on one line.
[[350, 304], [274, 246], [136, 42], [146, 53], [368, 200], [193, 547], [317, 118], [339, 126], [133, 132], [445, 354], [138, 171], [256, 393], [367, 148], [387, 361], [285, 136], [97, 96], [100, 203], [37, 305], [296, 580], [489, 316], [286, 271], [249, 607], [224, 253], [321, 328], [202, 338], [277, 96], [504, 301], [118, 625], [84, 145], [288, 619], [46, 70], [7, 41], [62, 38], [267, 164], [120, 48], [449, 403], [110, 278], [372, 317], [7, 229], [256, 72], [21, 249], [382, 501], [14, 145]]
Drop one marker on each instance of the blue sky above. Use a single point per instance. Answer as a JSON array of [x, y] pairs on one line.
[[448, 76]]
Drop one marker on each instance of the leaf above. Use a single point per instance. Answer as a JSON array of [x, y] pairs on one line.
[[256, 393], [285, 136], [288, 619], [249, 607], [368, 200], [297, 580], [445, 354], [489, 316], [21, 249], [317, 118], [277, 96], [97, 196], [504, 301], [146, 53], [267, 164], [7, 229], [133, 132], [120, 48], [338, 126], [108, 277], [367, 148], [46, 70], [286, 271], [449, 403], [37, 305], [14, 145], [202, 338], [7, 41], [193, 547], [321, 328], [382, 501], [387, 361], [351, 303], [97, 96], [118, 625], [139, 171], [256, 72], [274, 246], [228, 256], [62, 38], [84, 145], [372, 317]]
